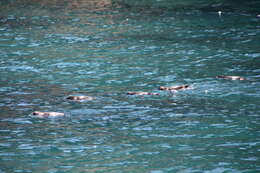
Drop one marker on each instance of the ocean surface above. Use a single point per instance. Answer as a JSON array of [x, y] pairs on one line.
[[47, 54]]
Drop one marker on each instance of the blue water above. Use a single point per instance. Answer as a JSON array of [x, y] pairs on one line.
[[48, 54]]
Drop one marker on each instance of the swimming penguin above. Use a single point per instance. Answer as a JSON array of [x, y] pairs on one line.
[[141, 93], [173, 88], [47, 114], [232, 77], [79, 98]]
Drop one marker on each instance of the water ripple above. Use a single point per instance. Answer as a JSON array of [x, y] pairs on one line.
[[45, 58]]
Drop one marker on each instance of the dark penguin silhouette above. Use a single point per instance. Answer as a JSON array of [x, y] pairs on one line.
[[79, 98], [231, 77], [48, 114], [140, 93], [174, 88]]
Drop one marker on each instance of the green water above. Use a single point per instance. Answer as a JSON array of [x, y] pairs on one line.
[[47, 54]]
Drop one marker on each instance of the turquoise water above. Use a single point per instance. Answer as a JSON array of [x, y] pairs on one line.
[[48, 54]]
